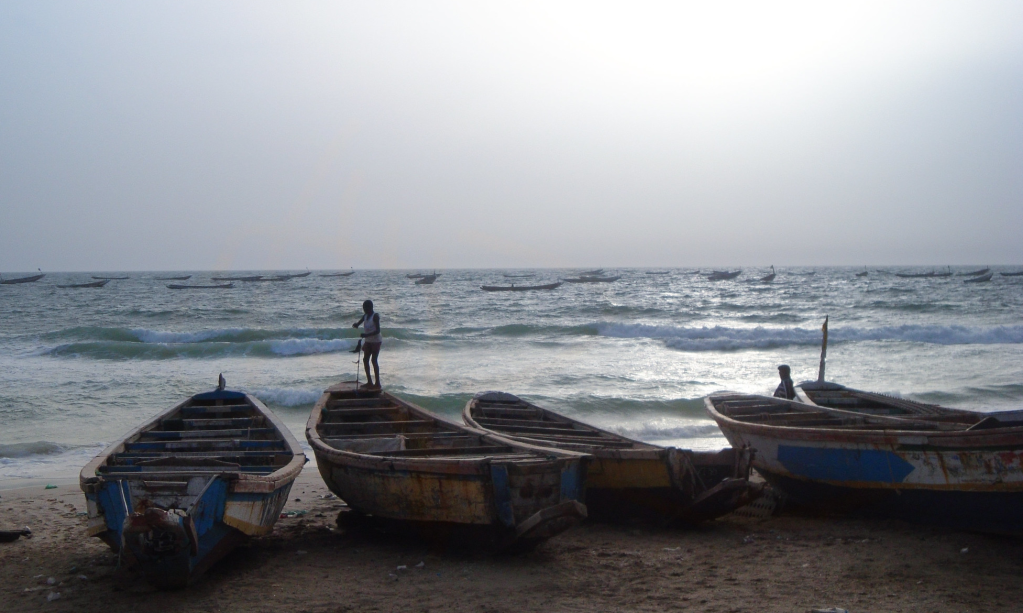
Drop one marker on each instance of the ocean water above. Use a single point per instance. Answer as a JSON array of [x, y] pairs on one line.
[[80, 367]]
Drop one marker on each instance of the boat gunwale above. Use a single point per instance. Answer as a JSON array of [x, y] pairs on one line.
[[893, 401], [936, 439], [448, 465], [240, 482], [644, 451]]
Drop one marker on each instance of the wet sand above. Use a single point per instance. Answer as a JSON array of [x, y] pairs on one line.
[[785, 564]]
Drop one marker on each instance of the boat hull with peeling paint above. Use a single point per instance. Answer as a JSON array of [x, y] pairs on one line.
[[391, 460], [926, 464], [625, 478], [178, 493]]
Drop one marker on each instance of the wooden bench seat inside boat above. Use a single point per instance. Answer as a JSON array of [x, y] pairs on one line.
[[204, 436]]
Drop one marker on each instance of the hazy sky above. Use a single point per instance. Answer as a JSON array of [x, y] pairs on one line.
[[177, 135]]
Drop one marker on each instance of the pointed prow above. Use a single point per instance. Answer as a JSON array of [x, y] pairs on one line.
[[221, 383]]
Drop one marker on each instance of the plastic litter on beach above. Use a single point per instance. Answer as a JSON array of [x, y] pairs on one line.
[[50, 486], [286, 514], [421, 565], [52, 596], [964, 550]]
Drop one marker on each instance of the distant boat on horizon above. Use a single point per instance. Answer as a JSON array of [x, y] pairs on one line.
[[81, 285], [723, 275], [975, 273], [591, 279], [520, 288], [249, 278], [31, 279], [220, 286]]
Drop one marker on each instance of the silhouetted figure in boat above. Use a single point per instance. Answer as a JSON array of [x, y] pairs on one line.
[[371, 341], [786, 389]]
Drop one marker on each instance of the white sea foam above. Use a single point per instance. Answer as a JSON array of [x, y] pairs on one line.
[[44, 460], [728, 338], [307, 346], [161, 336], [287, 397], [666, 428]]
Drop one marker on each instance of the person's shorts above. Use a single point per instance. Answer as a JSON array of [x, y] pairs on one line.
[[371, 347]]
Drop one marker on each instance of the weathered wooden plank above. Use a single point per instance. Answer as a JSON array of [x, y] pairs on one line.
[[197, 434]]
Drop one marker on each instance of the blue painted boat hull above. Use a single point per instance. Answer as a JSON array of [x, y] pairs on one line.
[[175, 549], [992, 512], [180, 492], [964, 478]]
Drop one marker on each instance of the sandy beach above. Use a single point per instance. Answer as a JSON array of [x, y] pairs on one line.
[[784, 564]]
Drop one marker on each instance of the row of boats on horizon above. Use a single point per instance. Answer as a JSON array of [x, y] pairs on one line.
[[227, 281]]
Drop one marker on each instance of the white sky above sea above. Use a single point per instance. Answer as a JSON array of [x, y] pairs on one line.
[[259, 135]]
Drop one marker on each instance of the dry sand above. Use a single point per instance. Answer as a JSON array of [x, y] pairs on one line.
[[785, 564]]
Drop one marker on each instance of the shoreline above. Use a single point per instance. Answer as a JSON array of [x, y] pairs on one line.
[[784, 564]]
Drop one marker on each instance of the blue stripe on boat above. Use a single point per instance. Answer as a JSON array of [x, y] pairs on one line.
[[834, 464]]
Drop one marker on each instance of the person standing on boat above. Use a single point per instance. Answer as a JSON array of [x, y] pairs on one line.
[[786, 389], [371, 341]]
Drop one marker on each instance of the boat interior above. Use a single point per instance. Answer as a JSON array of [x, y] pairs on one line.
[[515, 417], [378, 424], [214, 433], [867, 415]]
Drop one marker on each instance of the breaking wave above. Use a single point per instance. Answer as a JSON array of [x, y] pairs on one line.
[[21, 450], [144, 344], [721, 338], [285, 397]]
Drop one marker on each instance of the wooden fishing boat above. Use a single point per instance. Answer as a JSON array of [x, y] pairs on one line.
[[183, 278], [947, 273], [31, 279], [394, 461], [625, 478], [92, 284], [248, 278], [975, 273], [217, 286], [1012, 274], [916, 275], [723, 275], [178, 493], [843, 450], [658, 272], [526, 276], [110, 278], [294, 276], [417, 275], [769, 278], [864, 273], [426, 280], [981, 279], [592, 279], [519, 288], [340, 274], [596, 272]]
